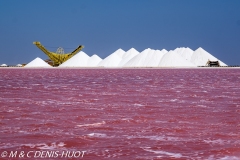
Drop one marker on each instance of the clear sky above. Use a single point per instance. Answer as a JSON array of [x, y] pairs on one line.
[[103, 26]]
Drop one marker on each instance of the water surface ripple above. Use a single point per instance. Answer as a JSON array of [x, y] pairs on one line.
[[122, 113]]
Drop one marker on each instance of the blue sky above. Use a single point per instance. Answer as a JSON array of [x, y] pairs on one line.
[[103, 26]]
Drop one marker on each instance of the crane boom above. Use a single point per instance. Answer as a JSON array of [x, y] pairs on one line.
[[57, 58]]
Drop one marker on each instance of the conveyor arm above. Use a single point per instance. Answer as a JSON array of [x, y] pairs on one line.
[[55, 57]]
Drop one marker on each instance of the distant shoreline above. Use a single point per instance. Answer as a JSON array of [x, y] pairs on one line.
[[82, 68]]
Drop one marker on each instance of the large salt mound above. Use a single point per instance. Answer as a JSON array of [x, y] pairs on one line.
[[154, 58], [164, 51], [186, 53], [79, 60], [138, 60], [200, 58], [127, 56], [94, 60], [173, 59], [38, 62], [148, 59], [178, 50], [113, 59]]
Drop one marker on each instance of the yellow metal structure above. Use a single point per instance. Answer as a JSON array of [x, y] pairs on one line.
[[57, 58]]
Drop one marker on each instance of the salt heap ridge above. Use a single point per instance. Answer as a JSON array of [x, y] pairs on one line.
[[180, 57]]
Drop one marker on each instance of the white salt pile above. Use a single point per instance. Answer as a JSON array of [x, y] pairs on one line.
[[79, 60], [154, 59], [113, 59], [172, 59], [186, 53], [3, 65], [138, 60], [38, 63], [200, 58], [127, 56], [148, 58], [94, 60]]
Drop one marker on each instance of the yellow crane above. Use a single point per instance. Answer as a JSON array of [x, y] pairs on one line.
[[58, 58]]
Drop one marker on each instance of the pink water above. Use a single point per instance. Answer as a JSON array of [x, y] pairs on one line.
[[122, 113]]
